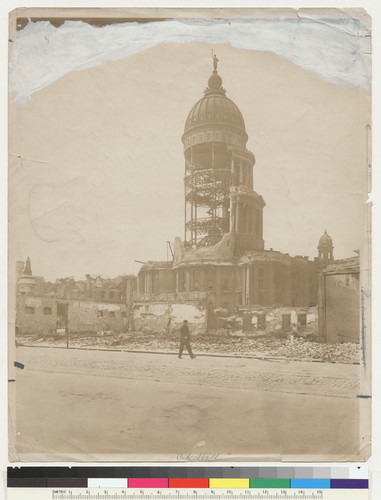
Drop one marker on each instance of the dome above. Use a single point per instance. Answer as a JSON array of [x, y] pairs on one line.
[[325, 240], [215, 110]]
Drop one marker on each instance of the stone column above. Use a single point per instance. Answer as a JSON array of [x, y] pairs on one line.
[[255, 283], [248, 218], [233, 206], [242, 271], [237, 215], [232, 173], [247, 285], [240, 172]]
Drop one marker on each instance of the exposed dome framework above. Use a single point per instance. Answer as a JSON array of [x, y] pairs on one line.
[[216, 159]]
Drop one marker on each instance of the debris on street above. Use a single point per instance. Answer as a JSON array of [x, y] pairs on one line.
[[223, 342]]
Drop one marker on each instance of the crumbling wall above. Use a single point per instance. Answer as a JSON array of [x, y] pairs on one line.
[[270, 319], [342, 304], [274, 318], [36, 316], [91, 316], [163, 317]]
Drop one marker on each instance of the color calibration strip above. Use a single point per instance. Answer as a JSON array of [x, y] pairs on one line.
[[193, 477], [230, 483]]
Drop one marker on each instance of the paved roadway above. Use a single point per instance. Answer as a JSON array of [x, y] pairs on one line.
[[97, 405]]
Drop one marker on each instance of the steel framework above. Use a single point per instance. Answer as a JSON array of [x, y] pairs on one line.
[[206, 197]]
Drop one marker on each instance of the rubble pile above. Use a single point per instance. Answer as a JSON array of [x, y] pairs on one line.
[[224, 342]]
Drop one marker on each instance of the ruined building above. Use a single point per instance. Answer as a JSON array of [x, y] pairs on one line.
[[339, 301], [222, 260], [94, 304], [219, 267]]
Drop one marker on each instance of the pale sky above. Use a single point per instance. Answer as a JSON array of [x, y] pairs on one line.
[[96, 177]]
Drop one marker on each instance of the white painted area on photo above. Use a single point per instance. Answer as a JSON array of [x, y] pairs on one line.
[[337, 48]]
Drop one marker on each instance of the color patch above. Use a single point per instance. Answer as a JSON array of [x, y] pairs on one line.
[[66, 482], [229, 483], [107, 482], [269, 483], [350, 483], [311, 483], [149, 482], [188, 483]]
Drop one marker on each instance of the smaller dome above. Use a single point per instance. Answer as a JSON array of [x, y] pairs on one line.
[[325, 240], [26, 283]]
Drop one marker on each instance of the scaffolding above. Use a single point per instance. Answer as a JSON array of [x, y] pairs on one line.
[[206, 183]]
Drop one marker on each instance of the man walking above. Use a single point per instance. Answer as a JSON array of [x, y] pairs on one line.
[[185, 340]]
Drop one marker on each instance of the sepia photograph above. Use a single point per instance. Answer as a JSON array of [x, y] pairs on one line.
[[189, 235]]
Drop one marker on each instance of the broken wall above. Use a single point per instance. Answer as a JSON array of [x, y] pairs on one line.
[[341, 320], [91, 316], [163, 317], [251, 318], [36, 316]]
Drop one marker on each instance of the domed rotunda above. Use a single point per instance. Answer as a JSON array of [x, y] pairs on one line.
[[221, 262], [219, 196]]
